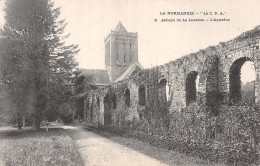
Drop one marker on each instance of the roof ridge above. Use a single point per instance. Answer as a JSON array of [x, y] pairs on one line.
[[120, 27]]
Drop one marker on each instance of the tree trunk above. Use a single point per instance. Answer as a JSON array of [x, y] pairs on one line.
[[19, 122], [36, 123], [23, 121]]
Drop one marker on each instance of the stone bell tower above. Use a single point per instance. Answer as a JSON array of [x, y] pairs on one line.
[[121, 51]]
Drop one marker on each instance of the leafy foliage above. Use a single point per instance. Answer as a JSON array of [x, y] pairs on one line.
[[231, 137], [67, 112], [36, 65]]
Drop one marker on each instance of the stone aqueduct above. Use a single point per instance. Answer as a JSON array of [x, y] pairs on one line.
[[216, 67]]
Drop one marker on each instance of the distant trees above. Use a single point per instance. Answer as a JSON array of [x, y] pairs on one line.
[[36, 66], [248, 93]]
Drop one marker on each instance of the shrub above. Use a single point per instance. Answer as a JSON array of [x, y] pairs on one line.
[[66, 113], [231, 137]]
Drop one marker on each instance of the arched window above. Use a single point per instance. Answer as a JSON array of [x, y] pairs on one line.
[[114, 101], [127, 97], [241, 81], [162, 91], [142, 96], [191, 87], [108, 47]]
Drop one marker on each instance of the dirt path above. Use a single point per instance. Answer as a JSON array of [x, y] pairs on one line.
[[99, 151]]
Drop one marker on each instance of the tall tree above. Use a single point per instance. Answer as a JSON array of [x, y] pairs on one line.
[[36, 64]]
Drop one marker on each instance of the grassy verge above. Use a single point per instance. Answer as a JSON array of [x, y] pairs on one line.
[[28, 147]]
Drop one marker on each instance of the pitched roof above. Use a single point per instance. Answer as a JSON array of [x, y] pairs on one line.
[[120, 27], [100, 77], [129, 70]]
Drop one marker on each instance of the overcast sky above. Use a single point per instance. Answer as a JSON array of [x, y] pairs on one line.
[[89, 21]]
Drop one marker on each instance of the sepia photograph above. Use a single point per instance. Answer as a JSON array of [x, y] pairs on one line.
[[129, 83]]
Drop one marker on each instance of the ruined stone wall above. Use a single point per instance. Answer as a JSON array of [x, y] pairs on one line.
[[212, 66]]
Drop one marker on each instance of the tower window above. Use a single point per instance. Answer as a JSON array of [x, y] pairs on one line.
[[106, 54], [124, 58], [108, 48], [130, 53], [117, 54]]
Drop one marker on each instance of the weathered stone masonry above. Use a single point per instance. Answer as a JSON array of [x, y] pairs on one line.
[[217, 67]]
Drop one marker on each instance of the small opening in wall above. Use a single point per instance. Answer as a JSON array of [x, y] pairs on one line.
[[142, 96], [127, 97], [257, 47], [191, 87], [98, 102], [124, 58], [162, 91], [140, 116], [118, 119], [114, 101], [134, 119]]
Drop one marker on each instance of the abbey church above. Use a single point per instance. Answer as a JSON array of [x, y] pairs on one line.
[[203, 101], [121, 57]]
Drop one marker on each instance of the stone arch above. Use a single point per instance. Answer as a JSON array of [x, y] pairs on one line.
[[191, 90], [163, 91], [127, 97], [235, 94], [142, 95], [107, 111]]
